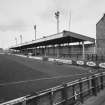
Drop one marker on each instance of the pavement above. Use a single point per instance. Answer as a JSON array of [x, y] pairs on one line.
[[96, 100]]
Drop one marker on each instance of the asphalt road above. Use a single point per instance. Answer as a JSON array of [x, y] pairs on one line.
[[22, 76]]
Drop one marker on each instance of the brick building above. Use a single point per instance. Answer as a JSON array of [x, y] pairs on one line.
[[100, 36]]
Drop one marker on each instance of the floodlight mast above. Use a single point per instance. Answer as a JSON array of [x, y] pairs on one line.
[[16, 40], [70, 21], [57, 17], [21, 39], [35, 31]]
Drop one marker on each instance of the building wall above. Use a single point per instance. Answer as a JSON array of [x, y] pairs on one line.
[[100, 36]]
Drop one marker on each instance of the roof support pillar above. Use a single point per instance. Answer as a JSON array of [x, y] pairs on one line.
[[35, 51], [68, 49], [58, 51], [39, 50], [45, 51], [48, 48], [53, 48], [83, 50]]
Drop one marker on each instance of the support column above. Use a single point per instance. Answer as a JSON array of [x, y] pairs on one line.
[[35, 51], [45, 51], [64, 50], [39, 50], [48, 50], [83, 51], [53, 48], [58, 51], [68, 50]]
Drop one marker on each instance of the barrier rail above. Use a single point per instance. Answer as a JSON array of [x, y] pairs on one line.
[[66, 94]]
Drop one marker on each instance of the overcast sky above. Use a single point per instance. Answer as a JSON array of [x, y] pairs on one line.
[[18, 17]]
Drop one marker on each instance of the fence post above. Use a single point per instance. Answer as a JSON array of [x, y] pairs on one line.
[[64, 93], [94, 89], [24, 102], [101, 78], [73, 89], [88, 82], [51, 96], [81, 91]]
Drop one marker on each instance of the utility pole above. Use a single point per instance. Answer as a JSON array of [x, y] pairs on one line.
[[57, 17], [35, 31]]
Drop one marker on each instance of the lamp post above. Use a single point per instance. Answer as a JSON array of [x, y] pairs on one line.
[[57, 17]]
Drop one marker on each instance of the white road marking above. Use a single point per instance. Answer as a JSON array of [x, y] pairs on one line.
[[57, 77]]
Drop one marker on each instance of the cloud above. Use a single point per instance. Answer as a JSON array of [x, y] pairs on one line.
[[19, 16], [17, 25]]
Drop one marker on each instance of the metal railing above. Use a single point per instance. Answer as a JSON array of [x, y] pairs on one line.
[[65, 94]]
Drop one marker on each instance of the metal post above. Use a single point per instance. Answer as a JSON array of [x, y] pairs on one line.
[[24, 102], [51, 96], [48, 50], [58, 51], [83, 51], [35, 51], [101, 80], [53, 50], [81, 94], [45, 50], [64, 93], [73, 87], [94, 87], [89, 85]]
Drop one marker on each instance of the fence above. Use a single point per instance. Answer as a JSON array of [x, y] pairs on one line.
[[72, 93]]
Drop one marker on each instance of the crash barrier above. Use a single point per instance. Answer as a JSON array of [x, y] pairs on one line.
[[71, 93]]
